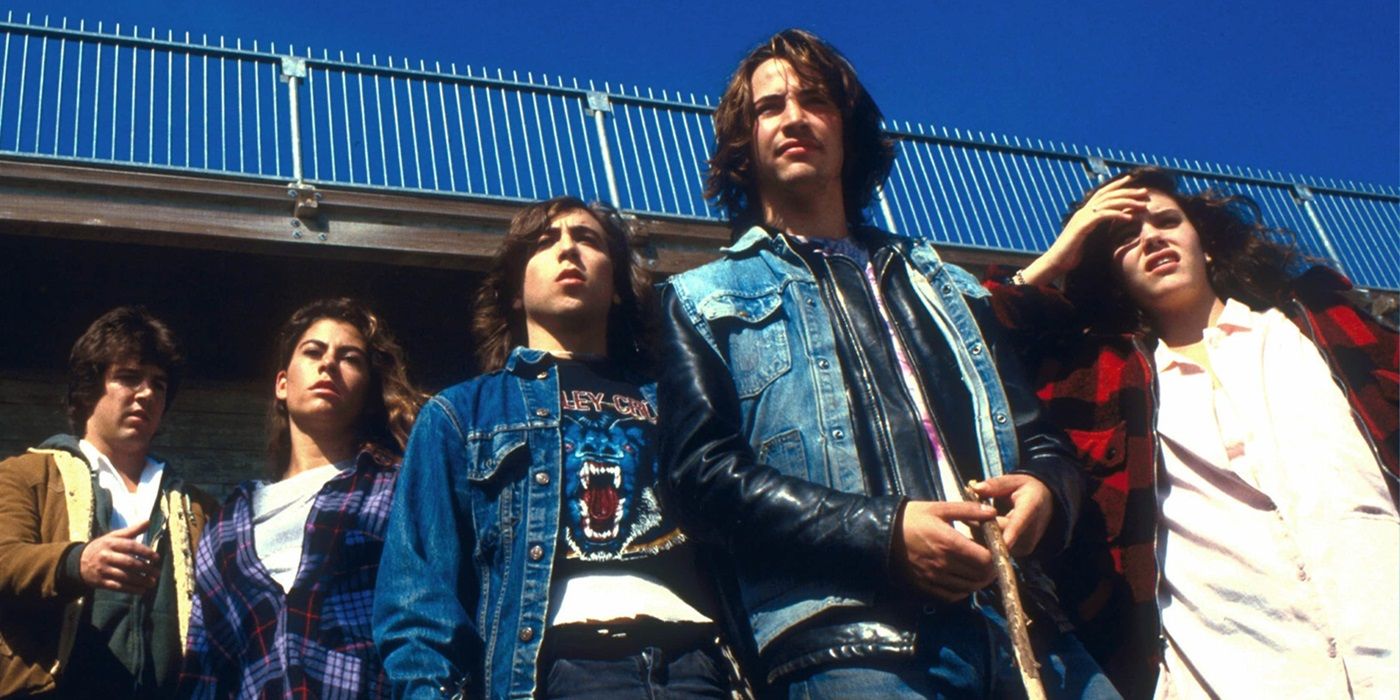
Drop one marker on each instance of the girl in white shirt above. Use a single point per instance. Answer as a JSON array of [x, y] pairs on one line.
[[285, 577]]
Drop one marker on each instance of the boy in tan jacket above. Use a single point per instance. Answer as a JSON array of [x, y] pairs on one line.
[[96, 536]]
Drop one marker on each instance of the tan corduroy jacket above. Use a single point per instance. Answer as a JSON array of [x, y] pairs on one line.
[[46, 507]]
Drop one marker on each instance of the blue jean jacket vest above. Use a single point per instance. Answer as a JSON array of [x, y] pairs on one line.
[[759, 308], [463, 591]]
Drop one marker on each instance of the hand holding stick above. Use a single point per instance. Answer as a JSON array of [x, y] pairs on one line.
[[1016, 620]]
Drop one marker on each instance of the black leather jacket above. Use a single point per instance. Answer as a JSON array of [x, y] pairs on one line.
[[763, 519]]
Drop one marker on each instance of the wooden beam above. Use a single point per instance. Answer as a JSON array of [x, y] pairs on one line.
[[84, 202], [97, 203]]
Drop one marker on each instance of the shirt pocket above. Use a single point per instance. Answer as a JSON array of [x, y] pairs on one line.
[[751, 332], [1102, 450], [495, 462], [785, 453]]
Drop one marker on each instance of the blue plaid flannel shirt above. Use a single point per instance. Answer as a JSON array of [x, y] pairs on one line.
[[248, 639]]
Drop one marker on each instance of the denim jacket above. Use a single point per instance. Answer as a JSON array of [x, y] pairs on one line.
[[464, 582], [760, 311]]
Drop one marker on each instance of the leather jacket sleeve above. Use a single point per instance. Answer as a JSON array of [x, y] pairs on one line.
[[724, 496], [1046, 452]]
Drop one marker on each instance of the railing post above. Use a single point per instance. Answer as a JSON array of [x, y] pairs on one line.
[[886, 211], [1303, 195], [598, 103], [293, 70], [307, 199], [1098, 168]]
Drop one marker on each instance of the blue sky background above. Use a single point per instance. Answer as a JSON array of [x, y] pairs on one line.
[[1288, 86]]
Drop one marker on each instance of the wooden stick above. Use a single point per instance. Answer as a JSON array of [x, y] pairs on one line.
[[1017, 622]]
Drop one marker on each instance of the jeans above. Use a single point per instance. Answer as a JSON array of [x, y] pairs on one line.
[[964, 653], [651, 674]]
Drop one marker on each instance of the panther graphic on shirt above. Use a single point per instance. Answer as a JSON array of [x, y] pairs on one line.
[[611, 511]]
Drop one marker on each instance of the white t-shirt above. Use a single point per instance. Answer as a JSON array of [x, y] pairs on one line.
[[280, 511]]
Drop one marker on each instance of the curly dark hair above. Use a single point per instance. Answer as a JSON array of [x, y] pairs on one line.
[[392, 401], [868, 150], [497, 326], [1247, 260], [124, 332]]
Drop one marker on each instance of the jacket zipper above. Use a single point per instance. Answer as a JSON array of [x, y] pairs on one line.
[[883, 439], [932, 415]]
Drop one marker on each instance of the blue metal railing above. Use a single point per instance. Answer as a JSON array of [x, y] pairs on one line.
[[120, 96]]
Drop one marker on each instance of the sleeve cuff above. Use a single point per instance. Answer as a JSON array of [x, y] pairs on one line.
[[70, 577], [1057, 531]]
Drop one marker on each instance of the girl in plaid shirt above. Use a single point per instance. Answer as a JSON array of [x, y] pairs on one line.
[[284, 578]]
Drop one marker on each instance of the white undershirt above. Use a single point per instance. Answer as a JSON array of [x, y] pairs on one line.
[[128, 507], [280, 512], [1279, 542], [611, 597]]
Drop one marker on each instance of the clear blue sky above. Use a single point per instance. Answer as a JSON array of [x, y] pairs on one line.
[[1290, 86]]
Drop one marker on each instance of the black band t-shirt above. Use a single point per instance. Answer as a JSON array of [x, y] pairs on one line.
[[621, 555]]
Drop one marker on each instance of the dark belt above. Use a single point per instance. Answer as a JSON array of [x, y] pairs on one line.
[[620, 640]]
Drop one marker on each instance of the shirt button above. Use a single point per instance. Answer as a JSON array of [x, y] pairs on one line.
[[1332, 648], [977, 348], [1001, 417], [1302, 573], [946, 289], [811, 301], [536, 553], [526, 634], [542, 412], [838, 433], [823, 364], [542, 478], [542, 375]]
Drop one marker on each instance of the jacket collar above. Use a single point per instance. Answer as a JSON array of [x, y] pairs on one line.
[[756, 235], [522, 358], [65, 442], [69, 443], [870, 237]]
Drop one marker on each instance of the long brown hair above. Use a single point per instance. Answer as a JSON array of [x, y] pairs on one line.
[[868, 150], [392, 401], [498, 326], [1247, 259]]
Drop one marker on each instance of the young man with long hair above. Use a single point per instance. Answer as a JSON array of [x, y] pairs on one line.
[[1238, 417], [830, 389], [529, 553]]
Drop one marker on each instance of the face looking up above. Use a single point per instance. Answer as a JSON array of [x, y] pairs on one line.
[[327, 380], [798, 135], [568, 282], [1159, 259]]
